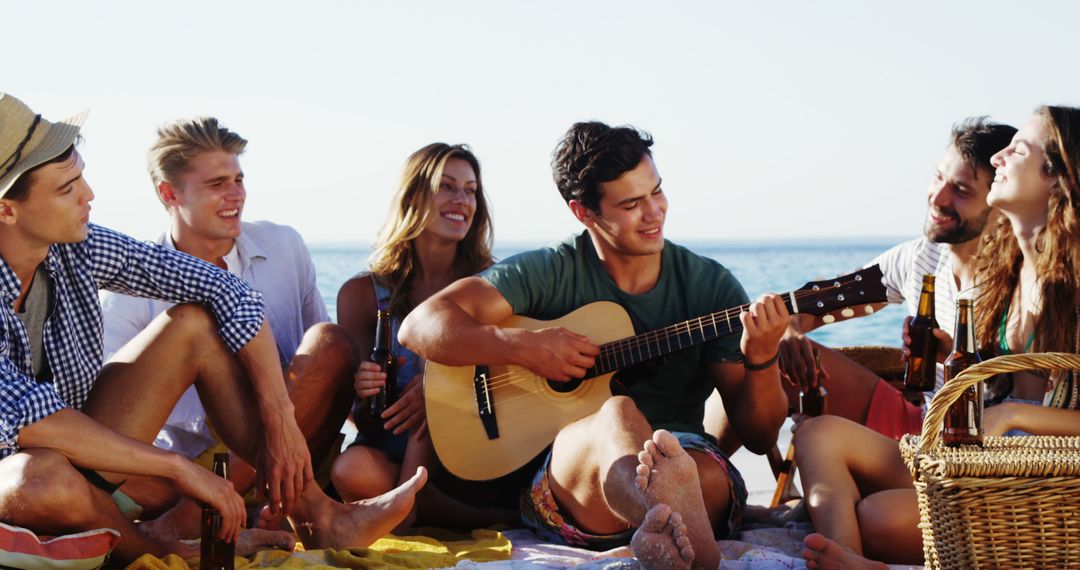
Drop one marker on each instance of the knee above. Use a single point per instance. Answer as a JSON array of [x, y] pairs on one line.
[[192, 319], [360, 472], [813, 436], [619, 411], [877, 526], [44, 485], [327, 341]]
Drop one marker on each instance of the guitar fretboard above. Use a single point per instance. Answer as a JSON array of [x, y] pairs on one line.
[[633, 350]]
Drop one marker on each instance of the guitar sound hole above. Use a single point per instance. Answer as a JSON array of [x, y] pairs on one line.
[[564, 387]]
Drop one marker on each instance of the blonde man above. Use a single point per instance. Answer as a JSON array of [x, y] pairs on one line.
[[195, 167]]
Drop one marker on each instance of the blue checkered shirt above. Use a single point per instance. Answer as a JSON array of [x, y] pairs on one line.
[[104, 260]]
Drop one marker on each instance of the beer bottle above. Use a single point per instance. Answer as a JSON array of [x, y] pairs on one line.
[[384, 357], [216, 554], [920, 373], [812, 398], [963, 421]]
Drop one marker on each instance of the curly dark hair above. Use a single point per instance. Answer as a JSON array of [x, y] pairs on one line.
[[977, 139], [593, 152]]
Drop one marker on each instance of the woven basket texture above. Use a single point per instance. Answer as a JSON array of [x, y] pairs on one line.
[[1012, 503]]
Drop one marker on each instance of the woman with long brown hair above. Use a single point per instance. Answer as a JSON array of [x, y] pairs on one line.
[[1028, 274], [439, 230]]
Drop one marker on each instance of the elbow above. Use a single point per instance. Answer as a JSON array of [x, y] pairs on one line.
[[759, 445], [763, 439], [407, 333]]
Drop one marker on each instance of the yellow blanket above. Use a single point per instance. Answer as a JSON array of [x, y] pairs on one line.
[[389, 552]]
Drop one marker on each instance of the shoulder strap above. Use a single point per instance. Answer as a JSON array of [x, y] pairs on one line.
[[382, 294]]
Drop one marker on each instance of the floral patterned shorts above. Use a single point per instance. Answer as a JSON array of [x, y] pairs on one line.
[[540, 512]]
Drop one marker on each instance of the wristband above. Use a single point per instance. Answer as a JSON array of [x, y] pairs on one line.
[[764, 365]]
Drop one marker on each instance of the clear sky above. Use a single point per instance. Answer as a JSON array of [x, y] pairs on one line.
[[772, 119]]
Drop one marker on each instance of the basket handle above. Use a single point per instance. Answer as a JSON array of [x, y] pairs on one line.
[[950, 392]]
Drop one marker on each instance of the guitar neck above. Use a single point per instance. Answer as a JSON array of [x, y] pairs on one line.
[[654, 344]]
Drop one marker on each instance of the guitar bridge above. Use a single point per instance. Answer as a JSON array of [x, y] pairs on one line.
[[485, 402]]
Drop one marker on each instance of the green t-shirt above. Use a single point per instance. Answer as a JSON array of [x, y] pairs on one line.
[[547, 283]]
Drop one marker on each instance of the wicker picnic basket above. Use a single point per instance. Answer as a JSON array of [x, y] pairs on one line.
[[1013, 503]]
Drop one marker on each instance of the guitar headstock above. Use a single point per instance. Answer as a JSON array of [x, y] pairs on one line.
[[859, 288]]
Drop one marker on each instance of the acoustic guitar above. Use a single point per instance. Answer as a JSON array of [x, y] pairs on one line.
[[487, 421]]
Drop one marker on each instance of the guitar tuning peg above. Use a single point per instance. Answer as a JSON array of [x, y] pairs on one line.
[[828, 319], [869, 309]]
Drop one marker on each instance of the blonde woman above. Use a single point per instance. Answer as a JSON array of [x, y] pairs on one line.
[[439, 231]]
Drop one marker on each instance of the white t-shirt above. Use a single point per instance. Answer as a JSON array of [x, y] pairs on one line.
[[904, 266]]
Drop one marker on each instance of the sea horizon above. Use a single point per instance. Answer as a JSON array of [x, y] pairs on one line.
[[761, 265]]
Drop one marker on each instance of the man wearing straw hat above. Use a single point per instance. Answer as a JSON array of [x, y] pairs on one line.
[[72, 430]]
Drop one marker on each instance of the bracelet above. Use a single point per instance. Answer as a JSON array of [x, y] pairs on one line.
[[759, 367]]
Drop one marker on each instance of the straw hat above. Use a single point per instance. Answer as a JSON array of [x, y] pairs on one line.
[[27, 140]]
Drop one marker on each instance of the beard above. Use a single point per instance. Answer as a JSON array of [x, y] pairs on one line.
[[965, 230]]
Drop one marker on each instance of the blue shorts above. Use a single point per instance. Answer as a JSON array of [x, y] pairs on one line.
[[540, 511]]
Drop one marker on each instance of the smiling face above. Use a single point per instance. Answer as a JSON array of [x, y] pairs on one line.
[[207, 198], [957, 200], [454, 204], [56, 208], [631, 214], [1021, 184]]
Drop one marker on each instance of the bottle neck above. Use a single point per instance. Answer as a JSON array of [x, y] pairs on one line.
[[964, 333], [383, 331], [926, 301]]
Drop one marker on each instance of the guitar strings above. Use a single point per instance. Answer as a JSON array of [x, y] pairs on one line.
[[612, 349]]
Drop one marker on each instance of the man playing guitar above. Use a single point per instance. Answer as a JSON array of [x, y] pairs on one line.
[[598, 482]]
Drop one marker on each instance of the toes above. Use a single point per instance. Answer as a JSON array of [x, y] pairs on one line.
[[642, 477], [652, 451], [667, 443], [644, 457], [816, 541], [656, 518], [685, 550], [417, 481]]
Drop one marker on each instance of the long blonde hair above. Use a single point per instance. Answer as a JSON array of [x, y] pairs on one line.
[[1058, 264], [394, 259]]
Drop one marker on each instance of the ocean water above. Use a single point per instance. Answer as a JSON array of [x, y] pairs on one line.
[[762, 267]]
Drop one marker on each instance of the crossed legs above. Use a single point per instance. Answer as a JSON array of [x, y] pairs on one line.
[[137, 389], [859, 494]]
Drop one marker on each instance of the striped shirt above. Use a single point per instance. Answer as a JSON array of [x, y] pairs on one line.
[[904, 266], [73, 330]]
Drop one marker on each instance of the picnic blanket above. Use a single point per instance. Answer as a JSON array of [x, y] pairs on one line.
[[756, 546]]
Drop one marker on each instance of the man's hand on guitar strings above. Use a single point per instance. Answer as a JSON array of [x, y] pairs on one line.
[[555, 353]]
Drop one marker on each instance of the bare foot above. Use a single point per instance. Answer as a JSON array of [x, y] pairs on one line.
[[178, 523], [329, 524], [660, 543], [185, 549], [269, 520], [666, 474], [406, 523], [253, 540], [825, 554]]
